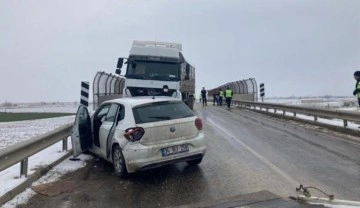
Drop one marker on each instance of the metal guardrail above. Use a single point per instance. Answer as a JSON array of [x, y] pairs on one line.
[[315, 112], [22, 151]]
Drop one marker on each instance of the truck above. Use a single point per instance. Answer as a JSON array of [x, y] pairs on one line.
[[156, 68]]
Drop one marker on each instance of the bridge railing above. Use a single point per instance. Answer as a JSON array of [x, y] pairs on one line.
[[20, 152], [243, 89], [314, 112]]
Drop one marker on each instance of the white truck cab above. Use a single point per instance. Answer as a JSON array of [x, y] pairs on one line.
[[157, 69]]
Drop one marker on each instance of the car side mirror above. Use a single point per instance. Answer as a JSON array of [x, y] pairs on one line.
[[120, 63]]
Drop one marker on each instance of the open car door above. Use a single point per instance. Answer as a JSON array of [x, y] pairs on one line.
[[81, 133]]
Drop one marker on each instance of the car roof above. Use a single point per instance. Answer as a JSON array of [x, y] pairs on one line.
[[134, 101]]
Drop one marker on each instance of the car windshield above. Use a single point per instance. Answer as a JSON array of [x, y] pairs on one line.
[[161, 111], [165, 71]]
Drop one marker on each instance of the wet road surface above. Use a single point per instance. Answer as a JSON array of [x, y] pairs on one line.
[[246, 153]]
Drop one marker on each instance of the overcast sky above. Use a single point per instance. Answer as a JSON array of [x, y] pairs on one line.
[[295, 47]]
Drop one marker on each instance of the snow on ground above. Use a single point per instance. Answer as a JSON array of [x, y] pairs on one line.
[[41, 108], [53, 175], [10, 177], [14, 132], [347, 103], [333, 122], [281, 100]]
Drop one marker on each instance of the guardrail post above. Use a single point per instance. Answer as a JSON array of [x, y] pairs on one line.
[[275, 110], [284, 112], [294, 114], [24, 167], [315, 118], [65, 144], [267, 109], [345, 123]]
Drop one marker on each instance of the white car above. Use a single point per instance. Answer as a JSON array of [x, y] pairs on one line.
[[140, 133]]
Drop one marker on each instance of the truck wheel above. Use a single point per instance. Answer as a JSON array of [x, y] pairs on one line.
[[194, 162], [119, 162]]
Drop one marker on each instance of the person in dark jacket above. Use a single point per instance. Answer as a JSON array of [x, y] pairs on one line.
[[357, 86], [203, 96], [215, 97]]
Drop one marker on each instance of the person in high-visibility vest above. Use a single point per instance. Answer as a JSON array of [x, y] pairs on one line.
[[357, 86], [221, 95], [228, 96]]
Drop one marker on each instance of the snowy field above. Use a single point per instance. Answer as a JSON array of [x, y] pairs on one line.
[[333, 122], [347, 103], [14, 132], [43, 107], [9, 179]]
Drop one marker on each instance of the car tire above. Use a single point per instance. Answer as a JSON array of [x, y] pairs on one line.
[[119, 162], [194, 162]]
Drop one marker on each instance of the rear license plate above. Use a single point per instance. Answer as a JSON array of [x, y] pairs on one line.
[[174, 150]]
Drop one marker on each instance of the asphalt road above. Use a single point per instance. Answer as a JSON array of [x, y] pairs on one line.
[[246, 153]]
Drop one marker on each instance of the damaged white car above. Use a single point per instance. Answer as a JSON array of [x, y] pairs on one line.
[[140, 133]]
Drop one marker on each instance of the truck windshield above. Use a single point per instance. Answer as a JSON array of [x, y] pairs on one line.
[[153, 70]]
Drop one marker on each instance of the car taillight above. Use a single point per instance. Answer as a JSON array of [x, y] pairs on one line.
[[134, 134], [198, 124]]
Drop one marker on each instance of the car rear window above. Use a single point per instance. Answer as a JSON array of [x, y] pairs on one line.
[[161, 111]]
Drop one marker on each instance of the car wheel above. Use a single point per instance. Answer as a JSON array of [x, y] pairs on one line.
[[119, 162], [194, 162]]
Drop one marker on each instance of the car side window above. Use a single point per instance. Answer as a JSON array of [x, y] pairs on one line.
[[111, 115], [103, 111]]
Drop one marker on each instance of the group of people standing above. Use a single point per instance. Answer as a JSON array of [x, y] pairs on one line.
[[218, 96]]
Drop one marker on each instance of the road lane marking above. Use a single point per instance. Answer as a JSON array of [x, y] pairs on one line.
[[293, 182]]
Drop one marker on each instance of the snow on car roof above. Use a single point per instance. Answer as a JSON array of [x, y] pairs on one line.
[[134, 101]]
